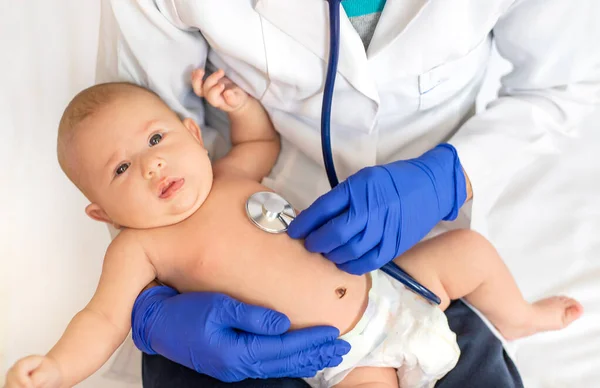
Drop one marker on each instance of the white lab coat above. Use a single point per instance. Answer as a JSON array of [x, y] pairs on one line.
[[413, 88]]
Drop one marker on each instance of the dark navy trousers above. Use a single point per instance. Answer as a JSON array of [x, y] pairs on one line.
[[483, 363]]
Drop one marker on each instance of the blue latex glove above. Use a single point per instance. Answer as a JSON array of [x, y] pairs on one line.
[[382, 211], [229, 340]]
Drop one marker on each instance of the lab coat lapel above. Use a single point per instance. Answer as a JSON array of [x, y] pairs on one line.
[[307, 21], [396, 17]]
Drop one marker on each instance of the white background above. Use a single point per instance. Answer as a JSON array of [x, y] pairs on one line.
[[51, 253]]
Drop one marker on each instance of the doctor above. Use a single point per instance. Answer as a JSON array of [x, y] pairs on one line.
[[408, 75]]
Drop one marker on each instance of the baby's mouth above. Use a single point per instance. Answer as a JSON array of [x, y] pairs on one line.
[[168, 187]]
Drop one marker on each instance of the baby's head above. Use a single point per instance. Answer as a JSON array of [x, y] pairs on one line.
[[132, 157]]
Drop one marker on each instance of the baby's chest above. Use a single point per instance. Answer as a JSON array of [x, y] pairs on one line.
[[216, 241]]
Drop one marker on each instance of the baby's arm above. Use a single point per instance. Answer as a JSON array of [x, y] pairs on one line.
[[95, 332], [255, 143]]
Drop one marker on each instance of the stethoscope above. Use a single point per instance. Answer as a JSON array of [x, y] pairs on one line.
[[272, 213]]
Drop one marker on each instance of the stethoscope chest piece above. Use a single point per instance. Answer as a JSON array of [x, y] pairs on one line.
[[270, 211]]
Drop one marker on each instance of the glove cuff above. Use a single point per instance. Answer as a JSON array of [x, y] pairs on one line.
[[142, 315], [449, 179]]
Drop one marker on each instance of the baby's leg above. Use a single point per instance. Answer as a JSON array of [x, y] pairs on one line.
[[462, 263], [370, 377]]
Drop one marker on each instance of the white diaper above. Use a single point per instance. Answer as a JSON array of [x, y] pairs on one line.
[[399, 329]]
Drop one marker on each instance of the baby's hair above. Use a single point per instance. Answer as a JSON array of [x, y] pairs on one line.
[[85, 104]]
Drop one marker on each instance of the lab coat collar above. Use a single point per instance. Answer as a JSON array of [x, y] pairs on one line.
[[396, 17], [307, 22]]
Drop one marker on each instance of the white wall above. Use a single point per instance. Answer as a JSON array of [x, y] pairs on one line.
[[51, 252]]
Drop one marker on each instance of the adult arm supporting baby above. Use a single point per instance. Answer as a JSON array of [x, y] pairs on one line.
[[95, 332]]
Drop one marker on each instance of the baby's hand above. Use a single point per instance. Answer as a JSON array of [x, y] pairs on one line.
[[219, 90], [34, 372]]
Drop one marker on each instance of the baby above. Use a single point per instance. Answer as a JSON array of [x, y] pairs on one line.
[[183, 223]]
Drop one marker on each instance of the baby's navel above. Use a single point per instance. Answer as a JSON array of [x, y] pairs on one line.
[[341, 291]]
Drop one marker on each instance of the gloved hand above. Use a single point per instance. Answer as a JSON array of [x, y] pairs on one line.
[[229, 340], [380, 212]]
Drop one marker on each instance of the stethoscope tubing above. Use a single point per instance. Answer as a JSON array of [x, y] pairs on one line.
[[334, 50], [390, 268]]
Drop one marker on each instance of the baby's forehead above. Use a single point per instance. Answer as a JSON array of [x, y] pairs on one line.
[[98, 137], [121, 116], [115, 125], [90, 148], [123, 113]]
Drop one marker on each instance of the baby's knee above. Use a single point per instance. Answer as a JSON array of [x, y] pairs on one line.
[[470, 239]]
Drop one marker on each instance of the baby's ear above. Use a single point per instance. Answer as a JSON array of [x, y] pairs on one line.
[[194, 129], [95, 212]]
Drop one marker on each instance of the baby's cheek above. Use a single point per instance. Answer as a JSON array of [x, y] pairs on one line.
[[133, 209]]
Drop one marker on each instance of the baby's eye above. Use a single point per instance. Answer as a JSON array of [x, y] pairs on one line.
[[122, 168], [155, 139]]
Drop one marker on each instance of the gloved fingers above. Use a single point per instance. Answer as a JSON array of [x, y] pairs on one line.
[[392, 234], [336, 232], [274, 347], [304, 364], [157, 293], [146, 309], [288, 344], [252, 319], [280, 369], [361, 243], [366, 263], [326, 207], [300, 340]]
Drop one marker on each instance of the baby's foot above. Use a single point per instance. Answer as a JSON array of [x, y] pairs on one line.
[[552, 313]]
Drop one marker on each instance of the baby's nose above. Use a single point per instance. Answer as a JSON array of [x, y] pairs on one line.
[[153, 167]]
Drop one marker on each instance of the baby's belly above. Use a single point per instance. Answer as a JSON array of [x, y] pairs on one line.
[[220, 250], [271, 270]]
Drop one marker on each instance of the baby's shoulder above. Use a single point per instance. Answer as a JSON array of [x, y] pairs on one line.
[[129, 242]]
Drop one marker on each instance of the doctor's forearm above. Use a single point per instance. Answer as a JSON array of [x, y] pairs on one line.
[[469, 187]]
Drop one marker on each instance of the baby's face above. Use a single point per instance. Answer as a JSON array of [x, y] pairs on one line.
[[143, 166]]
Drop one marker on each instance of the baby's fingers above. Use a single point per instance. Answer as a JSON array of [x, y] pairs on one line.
[[197, 76], [233, 97], [212, 80], [13, 381], [214, 95], [18, 375], [47, 375]]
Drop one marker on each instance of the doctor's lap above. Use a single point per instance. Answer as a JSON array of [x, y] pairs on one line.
[[412, 88]]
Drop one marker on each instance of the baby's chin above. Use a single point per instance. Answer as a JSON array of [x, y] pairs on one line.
[[160, 221], [171, 214]]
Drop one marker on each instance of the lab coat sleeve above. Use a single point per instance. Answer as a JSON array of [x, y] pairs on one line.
[[555, 82], [146, 43]]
